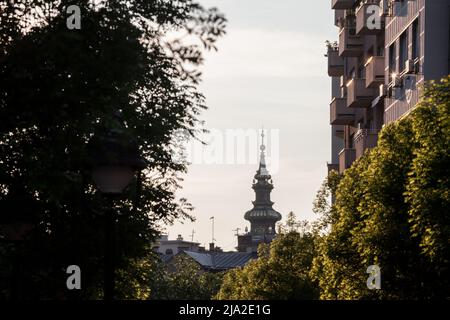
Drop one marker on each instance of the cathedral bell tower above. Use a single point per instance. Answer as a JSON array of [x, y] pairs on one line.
[[262, 217]]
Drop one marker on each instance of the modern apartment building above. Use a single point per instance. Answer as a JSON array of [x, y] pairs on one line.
[[386, 49]]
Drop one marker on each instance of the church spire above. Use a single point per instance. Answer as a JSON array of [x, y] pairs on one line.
[[262, 217], [262, 171]]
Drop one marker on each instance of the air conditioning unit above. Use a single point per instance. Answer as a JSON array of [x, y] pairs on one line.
[[409, 66]]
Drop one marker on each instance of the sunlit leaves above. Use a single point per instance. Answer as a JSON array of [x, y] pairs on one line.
[[391, 210], [281, 270]]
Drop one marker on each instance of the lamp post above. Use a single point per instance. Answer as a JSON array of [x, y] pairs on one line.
[[115, 159]]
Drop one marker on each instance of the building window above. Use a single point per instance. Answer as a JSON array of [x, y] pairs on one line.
[[403, 50], [361, 74], [415, 40], [351, 24], [391, 61], [380, 50], [401, 6], [169, 251]]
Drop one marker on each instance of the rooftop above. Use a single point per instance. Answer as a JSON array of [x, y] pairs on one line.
[[221, 260]]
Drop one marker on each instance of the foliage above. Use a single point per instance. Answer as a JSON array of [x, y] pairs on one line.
[[331, 45], [391, 211], [281, 270], [183, 279], [428, 192], [322, 205], [135, 280], [58, 87]]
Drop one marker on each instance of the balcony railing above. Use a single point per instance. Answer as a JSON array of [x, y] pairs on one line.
[[374, 72], [346, 158], [335, 63], [358, 96], [366, 24], [365, 139], [350, 44], [342, 4], [339, 113]]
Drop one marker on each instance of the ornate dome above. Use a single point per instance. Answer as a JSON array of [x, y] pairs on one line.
[[262, 214]]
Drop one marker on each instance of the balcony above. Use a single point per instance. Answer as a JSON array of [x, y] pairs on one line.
[[358, 96], [339, 113], [335, 62], [339, 18], [374, 72], [342, 4], [350, 44], [365, 139], [365, 22], [346, 158]]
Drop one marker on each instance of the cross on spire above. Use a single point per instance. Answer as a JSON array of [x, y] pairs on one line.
[[262, 147], [262, 171]]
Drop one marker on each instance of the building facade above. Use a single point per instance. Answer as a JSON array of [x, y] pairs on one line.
[[172, 247], [386, 50], [262, 217]]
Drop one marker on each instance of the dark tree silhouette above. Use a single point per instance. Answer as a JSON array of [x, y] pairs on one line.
[[57, 88]]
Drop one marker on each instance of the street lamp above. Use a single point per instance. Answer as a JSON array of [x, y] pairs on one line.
[[115, 158]]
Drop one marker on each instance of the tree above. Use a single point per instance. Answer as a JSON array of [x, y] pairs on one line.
[[428, 189], [391, 211], [183, 279], [281, 270], [336, 260], [58, 87]]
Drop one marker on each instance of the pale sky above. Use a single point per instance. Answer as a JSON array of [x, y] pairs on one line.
[[270, 70]]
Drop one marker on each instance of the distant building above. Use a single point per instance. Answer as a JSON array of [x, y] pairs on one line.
[[262, 217], [212, 261], [172, 247]]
